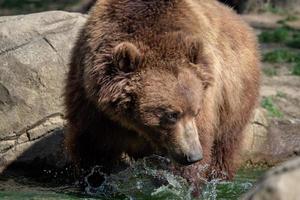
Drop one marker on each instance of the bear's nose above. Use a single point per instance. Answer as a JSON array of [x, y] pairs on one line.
[[192, 158]]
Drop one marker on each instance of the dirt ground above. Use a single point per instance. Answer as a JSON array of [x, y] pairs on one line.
[[280, 84]]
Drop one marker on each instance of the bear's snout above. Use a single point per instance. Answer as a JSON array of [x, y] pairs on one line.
[[187, 145], [194, 157], [188, 159]]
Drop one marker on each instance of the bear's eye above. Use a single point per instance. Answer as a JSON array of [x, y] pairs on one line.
[[170, 118]]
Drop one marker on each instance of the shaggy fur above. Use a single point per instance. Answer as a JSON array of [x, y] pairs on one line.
[[136, 61]]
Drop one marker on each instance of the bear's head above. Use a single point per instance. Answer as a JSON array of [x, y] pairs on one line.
[[157, 90]]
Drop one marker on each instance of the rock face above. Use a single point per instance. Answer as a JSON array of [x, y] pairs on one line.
[[281, 183], [34, 53]]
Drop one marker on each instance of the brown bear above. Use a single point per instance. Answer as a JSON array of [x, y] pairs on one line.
[[178, 78]]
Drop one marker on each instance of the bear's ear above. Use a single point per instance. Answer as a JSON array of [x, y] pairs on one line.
[[199, 60], [126, 57], [193, 50]]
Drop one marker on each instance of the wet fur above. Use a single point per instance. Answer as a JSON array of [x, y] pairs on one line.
[[99, 99]]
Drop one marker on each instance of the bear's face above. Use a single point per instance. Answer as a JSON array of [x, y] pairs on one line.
[[168, 107], [159, 100]]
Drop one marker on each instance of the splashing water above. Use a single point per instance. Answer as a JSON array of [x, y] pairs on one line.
[[147, 179], [210, 192], [217, 189]]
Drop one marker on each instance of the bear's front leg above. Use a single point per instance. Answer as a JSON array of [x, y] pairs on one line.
[[196, 175], [226, 155]]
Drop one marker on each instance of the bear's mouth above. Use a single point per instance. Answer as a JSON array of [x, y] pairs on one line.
[[186, 159]]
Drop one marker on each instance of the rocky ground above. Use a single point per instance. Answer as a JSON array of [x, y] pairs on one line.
[[280, 91], [280, 81]]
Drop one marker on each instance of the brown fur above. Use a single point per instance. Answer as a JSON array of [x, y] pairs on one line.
[[137, 59]]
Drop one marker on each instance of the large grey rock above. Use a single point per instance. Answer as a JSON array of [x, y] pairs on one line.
[[34, 53], [270, 141], [255, 136], [281, 183]]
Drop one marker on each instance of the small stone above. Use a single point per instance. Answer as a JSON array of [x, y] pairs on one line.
[[6, 145], [43, 129], [22, 138]]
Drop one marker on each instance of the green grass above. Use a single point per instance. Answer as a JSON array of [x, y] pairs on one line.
[[270, 72], [276, 10], [278, 35], [281, 94], [286, 37], [281, 56], [291, 18], [296, 69], [273, 110], [282, 35], [294, 41]]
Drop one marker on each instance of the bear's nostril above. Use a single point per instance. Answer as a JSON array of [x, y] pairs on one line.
[[192, 158]]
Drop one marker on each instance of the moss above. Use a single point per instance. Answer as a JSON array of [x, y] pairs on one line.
[[272, 109]]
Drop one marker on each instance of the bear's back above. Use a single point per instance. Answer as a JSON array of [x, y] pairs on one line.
[[114, 21]]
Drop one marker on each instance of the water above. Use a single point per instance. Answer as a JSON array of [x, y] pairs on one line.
[[146, 180], [243, 182]]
